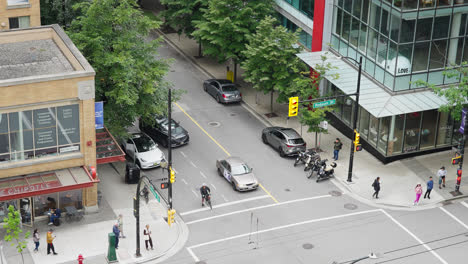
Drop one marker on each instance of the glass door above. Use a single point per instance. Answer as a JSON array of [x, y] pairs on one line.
[[26, 211]]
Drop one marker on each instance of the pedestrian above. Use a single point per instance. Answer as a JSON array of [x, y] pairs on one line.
[[116, 231], [36, 239], [336, 148], [147, 234], [120, 221], [376, 186], [442, 173], [50, 239], [418, 191], [430, 185]]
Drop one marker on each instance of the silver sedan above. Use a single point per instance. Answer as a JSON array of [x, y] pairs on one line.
[[224, 91], [238, 173]]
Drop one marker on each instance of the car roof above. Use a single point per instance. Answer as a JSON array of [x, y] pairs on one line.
[[290, 133], [234, 160], [138, 135]]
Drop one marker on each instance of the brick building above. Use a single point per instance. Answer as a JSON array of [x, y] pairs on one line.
[[19, 14]]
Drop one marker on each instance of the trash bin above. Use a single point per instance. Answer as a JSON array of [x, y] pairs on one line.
[[111, 254], [132, 173]]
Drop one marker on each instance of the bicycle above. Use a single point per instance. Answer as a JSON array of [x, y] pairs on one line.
[[144, 193], [208, 201]]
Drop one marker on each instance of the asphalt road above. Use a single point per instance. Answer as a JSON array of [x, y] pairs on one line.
[[291, 219]]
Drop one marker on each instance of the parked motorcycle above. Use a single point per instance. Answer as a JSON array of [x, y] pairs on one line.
[[313, 165], [326, 172], [303, 156]]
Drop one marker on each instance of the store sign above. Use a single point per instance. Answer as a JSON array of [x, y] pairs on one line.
[[69, 149], [29, 188], [99, 114]]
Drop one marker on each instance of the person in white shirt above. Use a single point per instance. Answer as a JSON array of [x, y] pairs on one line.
[[441, 174]]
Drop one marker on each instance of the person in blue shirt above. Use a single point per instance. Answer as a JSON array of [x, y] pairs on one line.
[[116, 231], [430, 185]]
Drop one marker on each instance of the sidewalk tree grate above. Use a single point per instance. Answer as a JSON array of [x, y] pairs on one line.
[[335, 193], [214, 124], [456, 193], [270, 115], [287, 190], [444, 203], [307, 246], [350, 206]]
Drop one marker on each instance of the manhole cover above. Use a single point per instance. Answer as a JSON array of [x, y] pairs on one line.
[[307, 246], [335, 193], [287, 189], [233, 114], [350, 206], [444, 203], [214, 124], [200, 262]]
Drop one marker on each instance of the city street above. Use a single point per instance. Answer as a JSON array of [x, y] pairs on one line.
[[290, 219]]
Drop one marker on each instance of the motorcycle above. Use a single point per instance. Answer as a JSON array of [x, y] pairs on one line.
[[312, 165], [303, 156], [326, 172]]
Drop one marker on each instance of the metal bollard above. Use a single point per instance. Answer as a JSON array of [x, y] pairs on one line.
[[80, 259]]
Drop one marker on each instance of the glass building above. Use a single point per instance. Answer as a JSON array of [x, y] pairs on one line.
[[294, 14], [400, 42]]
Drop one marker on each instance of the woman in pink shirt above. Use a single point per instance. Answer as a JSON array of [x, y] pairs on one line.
[[418, 191]]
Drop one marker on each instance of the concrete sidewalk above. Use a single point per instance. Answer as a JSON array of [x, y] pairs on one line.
[[89, 236], [398, 179]]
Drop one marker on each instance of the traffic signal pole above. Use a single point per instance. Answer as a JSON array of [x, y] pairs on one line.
[[169, 148], [356, 112], [462, 154]]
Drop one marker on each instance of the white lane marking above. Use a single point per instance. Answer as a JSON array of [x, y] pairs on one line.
[[196, 195], [226, 204], [464, 204], [193, 164], [203, 175], [414, 236], [183, 154], [226, 200], [256, 208], [214, 187], [282, 227], [193, 255], [185, 182], [454, 217]]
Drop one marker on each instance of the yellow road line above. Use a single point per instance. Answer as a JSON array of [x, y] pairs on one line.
[[219, 145]]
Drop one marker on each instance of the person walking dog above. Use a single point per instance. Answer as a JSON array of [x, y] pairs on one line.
[[430, 185], [376, 186], [442, 173], [336, 148], [418, 191]]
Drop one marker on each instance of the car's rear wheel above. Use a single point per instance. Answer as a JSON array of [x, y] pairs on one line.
[[219, 173], [281, 152], [264, 139]]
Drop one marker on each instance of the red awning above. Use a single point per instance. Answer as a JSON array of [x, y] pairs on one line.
[[107, 148], [46, 182]]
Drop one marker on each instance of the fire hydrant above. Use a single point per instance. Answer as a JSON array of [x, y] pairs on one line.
[[80, 259]]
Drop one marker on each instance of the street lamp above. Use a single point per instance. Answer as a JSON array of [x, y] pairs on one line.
[[356, 111]]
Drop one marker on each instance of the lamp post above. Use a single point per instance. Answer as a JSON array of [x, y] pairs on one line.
[[356, 111]]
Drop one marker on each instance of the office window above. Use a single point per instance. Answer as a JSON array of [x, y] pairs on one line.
[[19, 22], [17, 2]]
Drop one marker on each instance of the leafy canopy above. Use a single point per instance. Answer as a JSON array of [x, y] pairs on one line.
[[13, 230], [114, 36], [270, 61], [59, 12], [179, 14], [226, 25]]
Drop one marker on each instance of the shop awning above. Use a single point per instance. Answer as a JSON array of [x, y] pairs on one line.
[[107, 148], [374, 98], [46, 182]]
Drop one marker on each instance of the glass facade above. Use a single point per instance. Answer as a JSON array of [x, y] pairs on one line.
[[305, 6], [305, 39], [40, 132], [402, 41]]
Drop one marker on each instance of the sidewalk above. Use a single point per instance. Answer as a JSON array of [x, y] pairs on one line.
[[398, 179], [89, 236]]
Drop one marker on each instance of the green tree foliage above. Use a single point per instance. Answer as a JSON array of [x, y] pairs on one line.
[[226, 26], [270, 61], [114, 37], [13, 230], [456, 94], [179, 14], [59, 12]]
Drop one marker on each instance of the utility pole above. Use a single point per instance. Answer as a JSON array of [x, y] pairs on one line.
[[169, 148], [356, 112], [462, 149]]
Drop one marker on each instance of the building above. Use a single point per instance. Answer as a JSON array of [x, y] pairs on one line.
[[400, 43], [19, 14], [47, 124]]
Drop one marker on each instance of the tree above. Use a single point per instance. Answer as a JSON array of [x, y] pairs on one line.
[[113, 35], [13, 230], [226, 26], [270, 61], [59, 12]]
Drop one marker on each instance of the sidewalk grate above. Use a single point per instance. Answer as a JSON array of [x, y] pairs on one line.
[[287, 190], [214, 124], [335, 193], [307, 246], [350, 206]]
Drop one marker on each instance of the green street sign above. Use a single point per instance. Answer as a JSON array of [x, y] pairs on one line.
[[155, 194], [324, 103]]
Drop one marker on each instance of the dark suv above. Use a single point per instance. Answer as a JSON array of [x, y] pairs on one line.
[[159, 132], [286, 140]]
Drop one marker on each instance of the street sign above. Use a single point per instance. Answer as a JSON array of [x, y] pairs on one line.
[[155, 194], [324, 103]]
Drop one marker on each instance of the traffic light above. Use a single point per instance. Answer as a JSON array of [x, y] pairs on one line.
[[456, 160], [164, 185], [293, 106], [170, 216], [172, 179], [357, 147], [459, 172], [357, 137], [135, 207]]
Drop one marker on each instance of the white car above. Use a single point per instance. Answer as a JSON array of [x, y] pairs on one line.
[[144, 151]]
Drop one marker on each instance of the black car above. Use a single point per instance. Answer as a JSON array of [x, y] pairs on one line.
[[159, 132], [224, 91]]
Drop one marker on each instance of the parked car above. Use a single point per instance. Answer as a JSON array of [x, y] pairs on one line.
[[238, 173], [143, 150], [224, 91], [159, 132], [286, 140]]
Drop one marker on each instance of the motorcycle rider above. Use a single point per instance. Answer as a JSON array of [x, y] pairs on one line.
[[205, 192]]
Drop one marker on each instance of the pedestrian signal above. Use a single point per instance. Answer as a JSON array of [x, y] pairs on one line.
[[293, 106], [459, 172], [164, 185], [357, 147], [456, 160]]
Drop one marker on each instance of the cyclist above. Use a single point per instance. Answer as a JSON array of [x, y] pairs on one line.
[[205, 192]]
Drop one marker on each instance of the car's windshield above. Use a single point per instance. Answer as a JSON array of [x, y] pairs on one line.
[[229, 88], [144, 144], [240, 169], [175, 129]]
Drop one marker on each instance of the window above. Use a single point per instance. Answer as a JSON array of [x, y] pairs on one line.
[[412, 131], [18, 22], [395, 137], [445, 129], [17, 2], [428, 129]]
